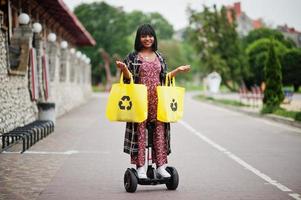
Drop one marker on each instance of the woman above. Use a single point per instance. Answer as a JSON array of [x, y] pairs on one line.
[[148, 67]]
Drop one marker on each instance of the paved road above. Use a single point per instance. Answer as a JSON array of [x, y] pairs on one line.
[[219, 154]]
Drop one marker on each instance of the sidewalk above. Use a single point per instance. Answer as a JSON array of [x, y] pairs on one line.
[[25, 176]]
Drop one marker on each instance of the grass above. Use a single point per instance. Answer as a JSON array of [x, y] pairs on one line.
[[289, 114], [222, 101], [280, 111], [198, 87]]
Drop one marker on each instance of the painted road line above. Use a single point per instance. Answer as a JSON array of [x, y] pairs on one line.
[[70, 152], [241, 162], [295, 196]]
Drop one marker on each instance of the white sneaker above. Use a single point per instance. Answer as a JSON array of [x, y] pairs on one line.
[[162, 171], [141, 173]]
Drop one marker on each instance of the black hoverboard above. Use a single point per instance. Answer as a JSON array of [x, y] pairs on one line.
[[131, 179]]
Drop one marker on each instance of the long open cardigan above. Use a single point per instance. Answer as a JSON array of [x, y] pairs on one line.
[[131, 137]]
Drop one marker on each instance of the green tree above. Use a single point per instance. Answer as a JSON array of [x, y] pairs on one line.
[[217, 41], [257, 53], [291, 68], [108, 26], [163, 28], [135, 19], [267, 33], [273, 94], [180, 53], [114, 31]]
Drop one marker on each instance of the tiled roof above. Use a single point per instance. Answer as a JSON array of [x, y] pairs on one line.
[[61, 13]]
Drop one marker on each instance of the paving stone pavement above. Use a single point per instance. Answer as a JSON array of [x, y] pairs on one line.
[[25, 176], [77, 162]]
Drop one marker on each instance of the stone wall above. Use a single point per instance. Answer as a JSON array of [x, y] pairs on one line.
[[65, 91], [16, 106]]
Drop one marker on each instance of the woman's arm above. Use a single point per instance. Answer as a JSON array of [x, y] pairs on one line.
[[124, 69], [181, 69]]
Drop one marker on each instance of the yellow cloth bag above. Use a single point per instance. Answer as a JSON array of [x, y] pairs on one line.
[[170, 102], [127, 102]]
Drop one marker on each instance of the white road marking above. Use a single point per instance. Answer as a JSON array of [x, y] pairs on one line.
[[70, 152], [295, 196], [241, 162]]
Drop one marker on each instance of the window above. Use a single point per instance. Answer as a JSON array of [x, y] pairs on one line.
[[3, 45], [18, 50]]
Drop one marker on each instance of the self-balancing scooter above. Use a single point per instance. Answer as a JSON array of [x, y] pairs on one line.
[[131, 179]]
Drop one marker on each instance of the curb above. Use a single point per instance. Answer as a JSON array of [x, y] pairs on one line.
[[270, 117]]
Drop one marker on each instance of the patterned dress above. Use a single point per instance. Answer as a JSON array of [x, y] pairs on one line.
[[149, 75]]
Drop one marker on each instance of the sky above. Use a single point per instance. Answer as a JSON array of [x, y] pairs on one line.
[[273, 12]]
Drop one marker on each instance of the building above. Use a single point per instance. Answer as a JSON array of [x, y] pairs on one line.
[[291, 33], [38, 60], [244, 23]]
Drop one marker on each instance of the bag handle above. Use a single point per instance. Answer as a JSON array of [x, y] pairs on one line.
[[131, 79], [172, 80]]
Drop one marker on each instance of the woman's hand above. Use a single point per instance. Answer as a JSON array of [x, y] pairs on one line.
[[181, 69], [184, 68], [122, 66]]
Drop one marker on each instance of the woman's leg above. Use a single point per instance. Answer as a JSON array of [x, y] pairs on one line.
[[139, 160], [160, 144]]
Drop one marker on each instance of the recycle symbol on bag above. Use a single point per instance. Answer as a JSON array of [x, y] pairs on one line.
[[174, 105], [121, 103]]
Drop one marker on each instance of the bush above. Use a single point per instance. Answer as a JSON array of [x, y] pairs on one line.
[[298, 116], [273, 94], [268, 109], [291, 68]]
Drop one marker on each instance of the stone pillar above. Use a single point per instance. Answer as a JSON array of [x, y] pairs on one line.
[[38, 45], [72, 66], [68, 57], [78, 71], [86, 74], [64, 65], [54, 63], [3, 79], [75, 67], [52, 56], [82, 76], [89, 74], [3, 53]]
